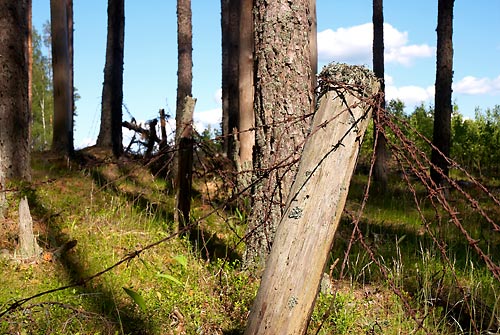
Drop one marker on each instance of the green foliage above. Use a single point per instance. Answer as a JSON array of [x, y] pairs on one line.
[[136, 297], [42, 97], [337, 314], [475, 143]]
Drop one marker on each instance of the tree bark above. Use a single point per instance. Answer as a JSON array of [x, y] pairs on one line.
[[380, 167], [62, 140], [230, 71], [245, 135], [184, 113], [69, 17], [443, 104], [293, 272], [185, 168], [313, 44], [283, 103], [15, 111], [110, 134]]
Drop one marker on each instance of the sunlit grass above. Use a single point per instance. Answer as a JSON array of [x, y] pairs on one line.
[[194, 289]]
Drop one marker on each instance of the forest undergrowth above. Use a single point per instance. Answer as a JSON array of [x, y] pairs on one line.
[[395, 279]]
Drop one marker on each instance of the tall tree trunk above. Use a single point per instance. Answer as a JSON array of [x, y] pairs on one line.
[[110, 133], [230, 10], [30, 56], [184, 117], [246, 118], [313, 44], [444, 78], [15, 111], [380, 167], [69, 17], [283, 103], [62, 140], [293, 272]]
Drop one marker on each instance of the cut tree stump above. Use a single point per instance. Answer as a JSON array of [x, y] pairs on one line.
[[28, 247], [293, 272]]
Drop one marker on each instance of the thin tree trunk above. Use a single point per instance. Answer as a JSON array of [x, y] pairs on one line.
[[444, 79], [283, 102], [293, 272], [184, 114], [62, 140], [380, 167], [230, 72], [185, 167], [110, 133], [44, 126]]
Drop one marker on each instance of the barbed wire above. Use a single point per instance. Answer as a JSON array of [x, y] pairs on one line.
[[407, 155]]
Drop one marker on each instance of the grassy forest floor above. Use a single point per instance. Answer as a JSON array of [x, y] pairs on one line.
[[113, 208]]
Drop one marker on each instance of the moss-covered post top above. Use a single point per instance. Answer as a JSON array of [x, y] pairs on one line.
[[355, 77]]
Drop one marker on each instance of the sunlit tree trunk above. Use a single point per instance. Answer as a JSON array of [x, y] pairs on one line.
[[313, 41], [246, 118], [380, 167], [15, 111], [444, 79], [30, 55], [283, 103], [62, 140], [184, 114], [110, 133]]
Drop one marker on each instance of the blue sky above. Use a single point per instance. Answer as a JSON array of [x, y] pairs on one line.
[[344, 34]]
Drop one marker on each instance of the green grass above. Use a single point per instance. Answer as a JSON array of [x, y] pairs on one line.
[[177, 287]]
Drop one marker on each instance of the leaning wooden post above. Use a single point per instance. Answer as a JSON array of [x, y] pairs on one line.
[[290, 282]]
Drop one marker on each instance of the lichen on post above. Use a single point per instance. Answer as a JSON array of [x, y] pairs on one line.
[[304, 237]]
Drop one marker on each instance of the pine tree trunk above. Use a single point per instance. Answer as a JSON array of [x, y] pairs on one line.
[[71, 79], [293, 272], [230, 72], [185, 168], [184, 113], [313, 44], [380, 167], [444, 79], [62, 140], [283, 103], [246, 118], [110, 133], [15, 111]]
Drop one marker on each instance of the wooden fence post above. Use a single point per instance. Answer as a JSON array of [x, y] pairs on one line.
[[290, 282]]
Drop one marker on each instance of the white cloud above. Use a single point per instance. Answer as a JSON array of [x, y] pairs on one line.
[[410, 95], [218, 96], [473, 86], [354, 45], [211, 117]]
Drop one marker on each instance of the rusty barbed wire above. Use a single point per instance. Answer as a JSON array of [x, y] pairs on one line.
[[407, 155]]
